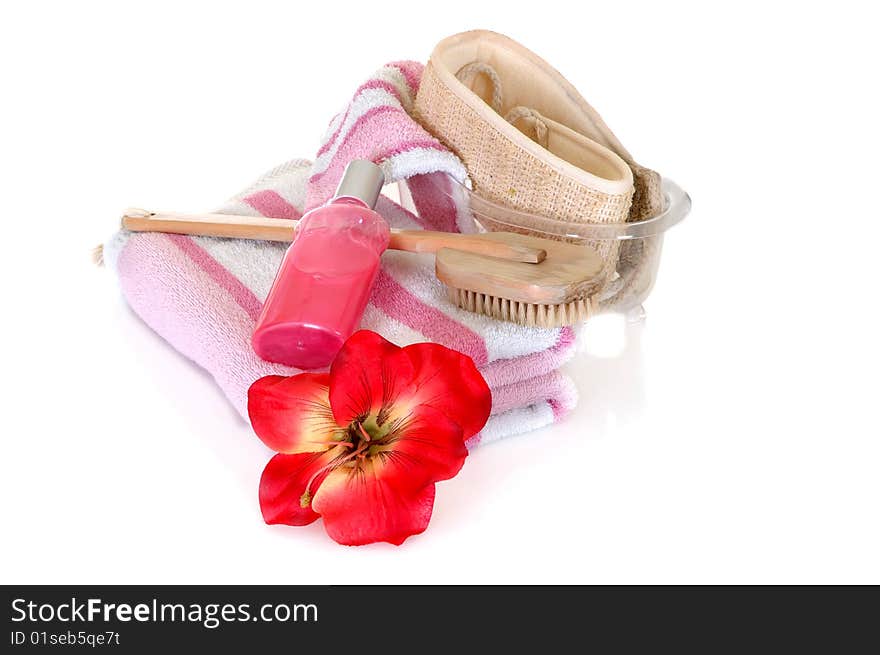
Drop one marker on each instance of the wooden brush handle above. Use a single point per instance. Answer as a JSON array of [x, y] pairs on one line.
[[211, 225], [283, 229], [426, 241]]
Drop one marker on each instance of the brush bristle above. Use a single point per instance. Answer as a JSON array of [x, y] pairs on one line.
[[523, 313]]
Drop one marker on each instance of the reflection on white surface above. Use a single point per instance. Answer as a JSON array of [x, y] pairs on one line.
[[604, 336], [609, 370]]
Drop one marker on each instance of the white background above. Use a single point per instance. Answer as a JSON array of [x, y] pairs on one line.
[[733, 439]]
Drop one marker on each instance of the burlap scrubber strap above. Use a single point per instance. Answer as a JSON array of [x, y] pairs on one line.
[[532, 143]]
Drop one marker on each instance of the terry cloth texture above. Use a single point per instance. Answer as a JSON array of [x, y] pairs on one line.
[[203, 295]]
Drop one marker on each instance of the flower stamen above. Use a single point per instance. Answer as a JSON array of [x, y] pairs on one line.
[[306, 497], [364, 433]]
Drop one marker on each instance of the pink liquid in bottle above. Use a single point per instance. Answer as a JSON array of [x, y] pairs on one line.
[[325, 279]]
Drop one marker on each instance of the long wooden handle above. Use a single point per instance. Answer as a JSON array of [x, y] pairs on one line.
[[426, 241], [211, 225], [283, 229]]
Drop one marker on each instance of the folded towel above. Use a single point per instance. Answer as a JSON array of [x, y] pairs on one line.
[[203, 295]]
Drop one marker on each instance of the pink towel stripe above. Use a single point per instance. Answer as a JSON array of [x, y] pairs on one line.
[[559, 410], [372, 84], [270, 203], [431, 201], [401, 304], [397, 215], [507, 371], [353, 130], [412, 71], [332, 138], [217, 272], [552, 387]]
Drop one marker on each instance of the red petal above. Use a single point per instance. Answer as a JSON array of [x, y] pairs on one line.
[[284, 482], [424, 446], [450, 382], [292, 414], [360, 507], [390, 495], [367, 375]]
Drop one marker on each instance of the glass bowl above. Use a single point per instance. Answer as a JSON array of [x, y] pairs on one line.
[[631, 250]]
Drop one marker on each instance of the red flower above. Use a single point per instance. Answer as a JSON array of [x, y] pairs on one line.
[[363, 445]]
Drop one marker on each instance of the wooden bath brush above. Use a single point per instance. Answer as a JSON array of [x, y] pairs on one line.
[[512, 277]]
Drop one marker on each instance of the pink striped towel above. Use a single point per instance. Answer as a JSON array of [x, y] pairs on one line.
[[203, 295]]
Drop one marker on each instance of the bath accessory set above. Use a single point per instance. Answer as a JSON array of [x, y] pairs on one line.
[[535, 215], [496, 157]]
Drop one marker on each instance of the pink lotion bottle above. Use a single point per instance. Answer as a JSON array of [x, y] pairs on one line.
[[326, 276]]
